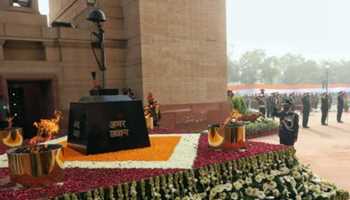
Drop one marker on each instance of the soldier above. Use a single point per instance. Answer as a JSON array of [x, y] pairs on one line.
[[340, 107], [306, 109], [268, 106], [289, 124], [277, 102], [324, 108], [330, 101], [292, 99], [261, 100], [273, 99]]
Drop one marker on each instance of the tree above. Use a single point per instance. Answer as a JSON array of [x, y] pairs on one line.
[[270, 70], [250, 64], [290, 65], [255, 66], [310, 72], [339, 72], [233, 71]]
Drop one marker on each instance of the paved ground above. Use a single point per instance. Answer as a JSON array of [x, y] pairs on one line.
[[325, 148]]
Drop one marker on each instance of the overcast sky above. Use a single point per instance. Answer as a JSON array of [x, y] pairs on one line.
[[318, 29]]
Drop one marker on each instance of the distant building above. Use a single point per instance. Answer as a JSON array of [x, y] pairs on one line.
[[174, 49]]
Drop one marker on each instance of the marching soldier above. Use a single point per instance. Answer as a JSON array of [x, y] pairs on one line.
[[340, 107], [289, 124], [324, 108], [306, 109]]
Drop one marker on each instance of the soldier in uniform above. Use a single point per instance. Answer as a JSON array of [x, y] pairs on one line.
[[340, 107], [261, 100], [269, 106], [4, 113], [306, 109], [330, 101], [324, 108], [289, 124], [292, 99]]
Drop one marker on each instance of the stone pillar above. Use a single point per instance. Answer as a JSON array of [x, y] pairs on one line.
[[2, 42], [51, 51]]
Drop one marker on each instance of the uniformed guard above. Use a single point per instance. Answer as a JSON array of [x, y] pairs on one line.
[[261, 100], [340, 107], [306, 109], [269, 105], [330, 101], [324, 108], [292, 99], [289, 124], [277, 102]]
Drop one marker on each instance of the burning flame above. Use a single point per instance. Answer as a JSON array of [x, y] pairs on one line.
[[234, 116], [47, 128]]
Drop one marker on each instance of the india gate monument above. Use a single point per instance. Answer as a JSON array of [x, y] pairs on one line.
[[175, 49]]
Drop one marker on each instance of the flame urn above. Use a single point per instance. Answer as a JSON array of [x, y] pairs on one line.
[[36, 165]]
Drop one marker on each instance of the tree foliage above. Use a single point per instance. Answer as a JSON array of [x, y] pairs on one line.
[[256, 67]]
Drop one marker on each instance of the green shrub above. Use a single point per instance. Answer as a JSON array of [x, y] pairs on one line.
[[239, 104], [261, 125]]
